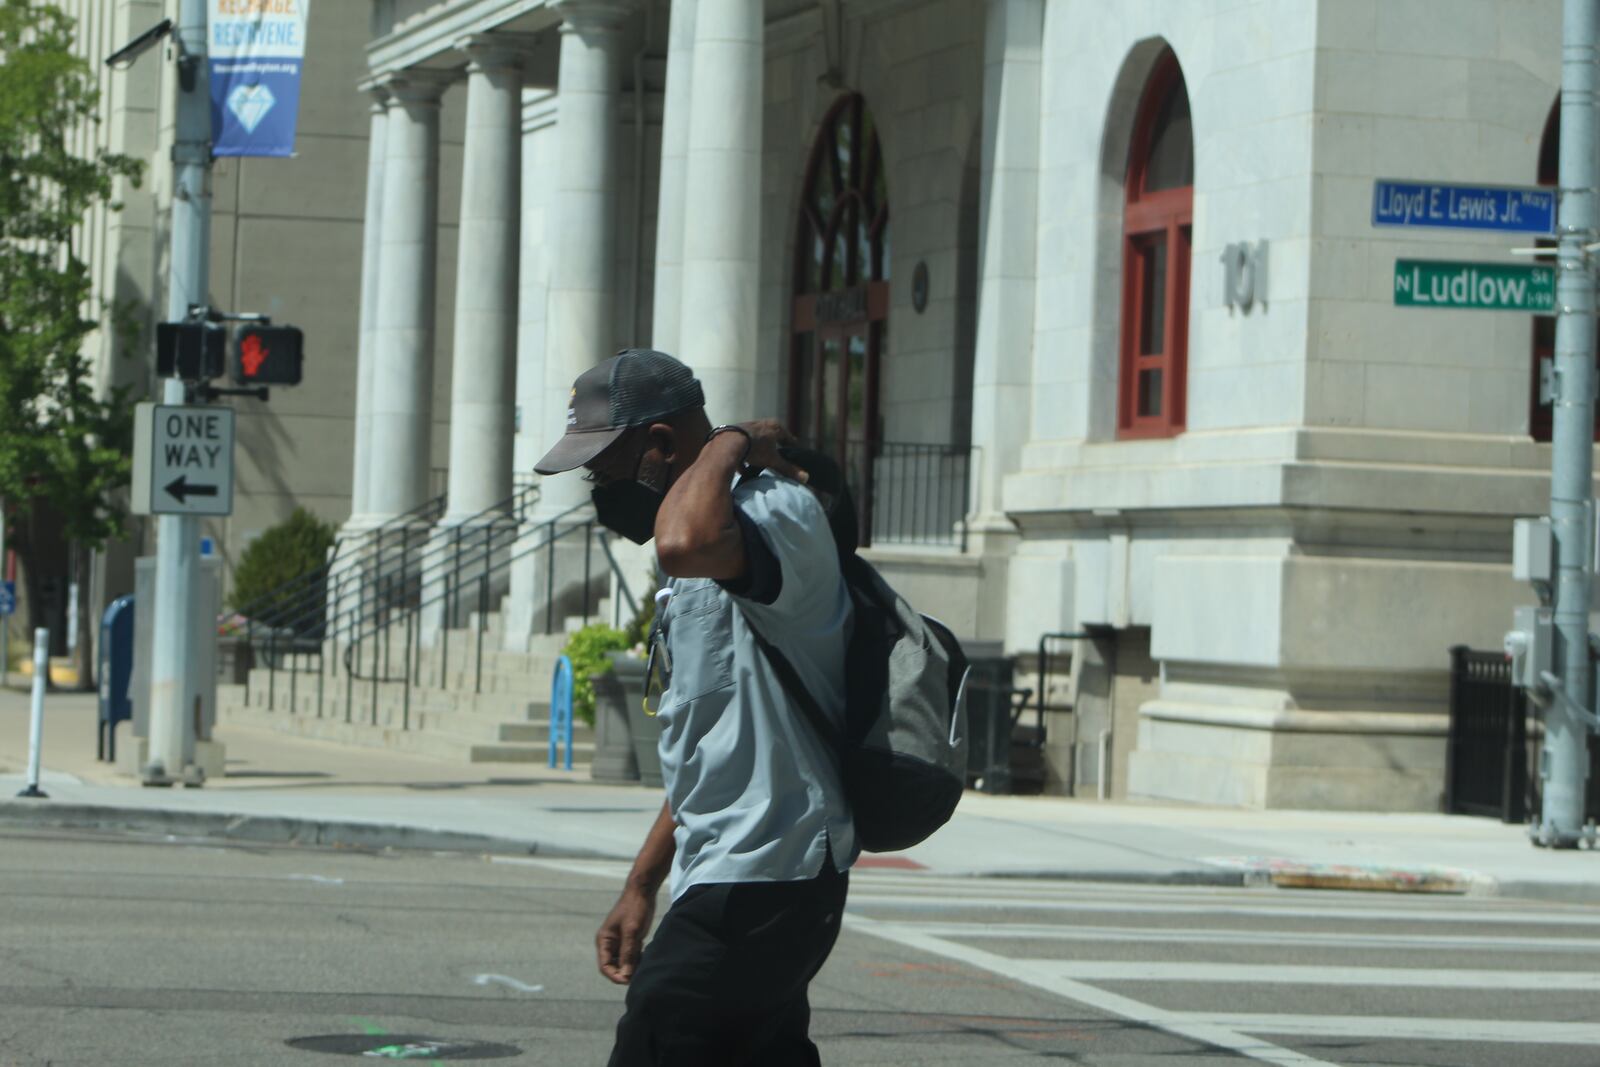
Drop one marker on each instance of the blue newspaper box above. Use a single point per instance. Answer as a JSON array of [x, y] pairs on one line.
[[116, 673]]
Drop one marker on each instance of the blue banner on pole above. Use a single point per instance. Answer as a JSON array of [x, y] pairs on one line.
[[256, 50], [1509, 209], [8, 598]]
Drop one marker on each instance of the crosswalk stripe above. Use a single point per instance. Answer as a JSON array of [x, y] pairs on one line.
[[1130, 907], [1399, 1028], [1112, 1003], [1293, 974], [1289, 938]]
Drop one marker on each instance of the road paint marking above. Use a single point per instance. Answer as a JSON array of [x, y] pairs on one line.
[[1171, 935], [320, 879], [1458, 915], [1398, 1028], [509, 983], [1292, 974], [609, 869], [1027, 972]]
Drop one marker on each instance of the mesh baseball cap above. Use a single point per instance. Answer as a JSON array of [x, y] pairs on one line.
[[635, 387]]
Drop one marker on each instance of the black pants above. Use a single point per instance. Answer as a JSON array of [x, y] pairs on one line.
[[723, 981]]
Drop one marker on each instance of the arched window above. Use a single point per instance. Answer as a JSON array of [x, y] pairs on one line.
[[841, 287], [1156, 224], [1541, 423]]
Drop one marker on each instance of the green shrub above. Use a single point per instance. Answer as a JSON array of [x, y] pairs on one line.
[[587, 650], [295, 547]]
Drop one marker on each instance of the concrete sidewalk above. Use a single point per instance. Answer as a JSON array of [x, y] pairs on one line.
[[280, 788]]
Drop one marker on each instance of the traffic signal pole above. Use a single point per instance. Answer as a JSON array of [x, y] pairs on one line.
[[173, 714], [1564, 768]]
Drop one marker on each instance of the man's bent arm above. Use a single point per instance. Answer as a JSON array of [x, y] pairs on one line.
[[621, 937], [696, 534]]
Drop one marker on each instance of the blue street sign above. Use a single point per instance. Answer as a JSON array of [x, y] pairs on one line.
[[8, 598], [1509, 209]]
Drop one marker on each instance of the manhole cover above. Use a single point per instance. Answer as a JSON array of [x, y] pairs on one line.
[[404, 1047]]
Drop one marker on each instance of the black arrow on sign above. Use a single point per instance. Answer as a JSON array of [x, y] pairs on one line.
[[179, 488]]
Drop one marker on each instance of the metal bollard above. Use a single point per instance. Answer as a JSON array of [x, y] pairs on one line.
[[41, 672]]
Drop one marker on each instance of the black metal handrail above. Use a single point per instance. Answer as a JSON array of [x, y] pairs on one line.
[[304, 631], [310, 586], [366, 632], [312, 620]]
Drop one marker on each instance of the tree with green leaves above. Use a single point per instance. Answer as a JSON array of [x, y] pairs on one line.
[[64, 449]]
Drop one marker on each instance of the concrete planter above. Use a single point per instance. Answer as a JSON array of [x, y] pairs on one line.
[[613, 737], [645, 729]]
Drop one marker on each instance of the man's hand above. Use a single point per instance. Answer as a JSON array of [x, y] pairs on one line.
[[767, 436], [621, 936]]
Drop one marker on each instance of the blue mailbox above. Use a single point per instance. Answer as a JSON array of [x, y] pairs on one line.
[[116, 673]]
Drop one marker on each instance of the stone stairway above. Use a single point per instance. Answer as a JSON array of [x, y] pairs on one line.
[[455, 708]]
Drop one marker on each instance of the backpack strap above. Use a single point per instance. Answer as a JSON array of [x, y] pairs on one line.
[[790, 679]]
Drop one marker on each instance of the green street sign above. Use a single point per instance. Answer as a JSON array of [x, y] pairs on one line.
[[1490, 286]]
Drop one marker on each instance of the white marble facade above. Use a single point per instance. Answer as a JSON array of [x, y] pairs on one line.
[[1334, 514]]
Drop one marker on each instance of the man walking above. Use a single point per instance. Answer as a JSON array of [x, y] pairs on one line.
[[755, 832]]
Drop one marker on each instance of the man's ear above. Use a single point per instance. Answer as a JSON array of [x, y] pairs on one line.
[[664, 439]]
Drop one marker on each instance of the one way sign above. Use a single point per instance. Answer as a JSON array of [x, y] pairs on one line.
[[182, 460]]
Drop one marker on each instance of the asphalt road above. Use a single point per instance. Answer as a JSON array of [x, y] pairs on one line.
[[115, 950]]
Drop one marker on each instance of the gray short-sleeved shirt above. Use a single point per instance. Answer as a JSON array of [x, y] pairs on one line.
[[754, 791]]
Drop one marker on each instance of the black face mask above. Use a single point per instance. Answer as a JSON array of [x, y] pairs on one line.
[[628, 508]]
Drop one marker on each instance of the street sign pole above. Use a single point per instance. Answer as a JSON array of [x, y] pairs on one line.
[[1565, 765], [172, 720]]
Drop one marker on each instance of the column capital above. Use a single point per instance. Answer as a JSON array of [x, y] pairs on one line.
[[415, 87], [494, 51], [376, 92], [592, 16]]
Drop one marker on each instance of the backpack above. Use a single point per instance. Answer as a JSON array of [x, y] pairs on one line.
[[903, 748]]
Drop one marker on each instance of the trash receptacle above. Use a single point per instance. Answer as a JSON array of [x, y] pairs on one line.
[[989, 717], [116, 672]]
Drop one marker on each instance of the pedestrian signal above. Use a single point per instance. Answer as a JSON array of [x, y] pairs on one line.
[[265, 355], [193, 351]]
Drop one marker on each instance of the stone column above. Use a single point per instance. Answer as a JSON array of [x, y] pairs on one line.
[[403, 383], [1008, 222], [664, 328], [722, 204], [534, 405], [1009, 193], [371, 264], [483, 367], [581, 330]]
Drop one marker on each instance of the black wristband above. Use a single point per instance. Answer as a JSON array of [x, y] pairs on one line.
[[729, 427]]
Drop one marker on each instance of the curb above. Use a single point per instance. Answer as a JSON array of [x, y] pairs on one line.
[[272, 829], [333, 833]]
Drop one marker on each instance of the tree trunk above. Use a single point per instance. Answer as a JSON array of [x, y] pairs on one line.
[[88, 620]]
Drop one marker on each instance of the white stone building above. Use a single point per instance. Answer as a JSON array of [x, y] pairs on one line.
[[977, 247]]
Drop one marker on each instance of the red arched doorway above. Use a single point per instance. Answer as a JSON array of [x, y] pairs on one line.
[[840, 316]]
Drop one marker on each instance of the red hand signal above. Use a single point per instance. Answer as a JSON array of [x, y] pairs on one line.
[[252, 353]]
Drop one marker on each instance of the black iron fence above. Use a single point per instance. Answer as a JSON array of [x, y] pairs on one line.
[[1495, 742], [1486, 763], [910, 493]]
